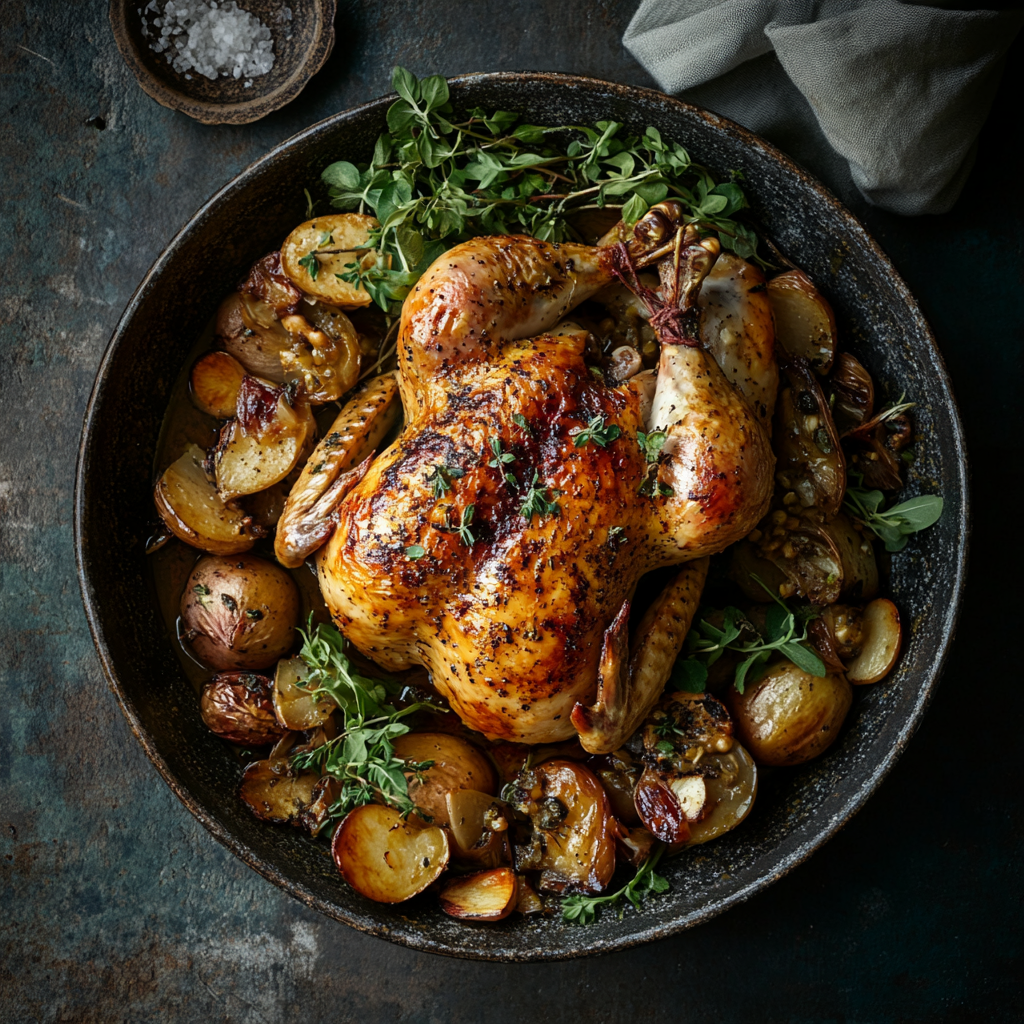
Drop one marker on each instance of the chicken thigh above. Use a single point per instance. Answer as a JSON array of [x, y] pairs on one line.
[[504, 532]]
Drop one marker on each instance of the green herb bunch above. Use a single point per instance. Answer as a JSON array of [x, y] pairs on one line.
[[587, 909], [706, 643], [362, 756], [435, 180], [895, 524]]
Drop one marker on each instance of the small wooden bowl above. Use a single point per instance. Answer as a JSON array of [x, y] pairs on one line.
[[301, 46]]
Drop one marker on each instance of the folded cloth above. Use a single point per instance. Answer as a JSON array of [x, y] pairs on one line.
[[883, 95]]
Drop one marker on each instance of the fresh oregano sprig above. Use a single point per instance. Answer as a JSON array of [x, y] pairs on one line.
[[706, 643], [893, 525], [434, 181], [587, 909], [362, 756]]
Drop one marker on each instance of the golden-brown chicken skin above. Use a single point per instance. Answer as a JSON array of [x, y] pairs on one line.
[[499, 574]]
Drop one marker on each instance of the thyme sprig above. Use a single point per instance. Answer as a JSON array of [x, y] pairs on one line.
[[362, 757], [596, 432], [587, 909], [434, 181], [536, 502]]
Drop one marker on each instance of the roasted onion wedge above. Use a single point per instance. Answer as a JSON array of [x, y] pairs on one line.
[[881, 638], [294, 706], [805, 325], [214, 382], [275, 791], [263, 443], [484, 896], [385, 858], [190, 507], [338, 240]]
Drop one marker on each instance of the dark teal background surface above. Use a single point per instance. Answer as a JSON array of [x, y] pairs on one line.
[[115, 905]]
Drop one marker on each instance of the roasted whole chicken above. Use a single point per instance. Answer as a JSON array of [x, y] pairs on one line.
[[499, 540]]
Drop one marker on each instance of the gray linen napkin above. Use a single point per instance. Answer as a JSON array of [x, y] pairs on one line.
[[884, 95]]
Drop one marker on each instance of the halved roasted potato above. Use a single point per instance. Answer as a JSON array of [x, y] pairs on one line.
[[239, 707], [190, 507], [805, 325], [788, 716], [385, 858], [572, 843], [295, 707], [484, 896], [264, 442], [457, 764], [881, 638], [334, 241], [213, 383], [479, 827], [276, 791]]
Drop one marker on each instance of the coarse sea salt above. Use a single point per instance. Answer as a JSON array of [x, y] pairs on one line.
[[214, 39]]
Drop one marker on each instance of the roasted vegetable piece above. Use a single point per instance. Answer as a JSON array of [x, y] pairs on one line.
[[264, 442], [880, 639], [250, 331], [484, 896], [239, 706], [874, 450], [314, 817], [214, 382], [573, 842], [731, 788], [267, 283], [277, 792], [618, 773], [385, 858], [295, 707], [857, 559], [457, 765], [788, 717], [805, 325], [479, 827], [527, 900], [190, 507], [239, 612], [338, 240], [330, 472], [853, 393], [810, 462], [633, 845]]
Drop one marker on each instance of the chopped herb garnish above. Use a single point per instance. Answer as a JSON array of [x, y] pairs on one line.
[[441, 477], [500, 457], [465, 534], [537, 502], [415, 551], [651, 444], [229, 602], [520, 421], [597, 432], [253, 614]]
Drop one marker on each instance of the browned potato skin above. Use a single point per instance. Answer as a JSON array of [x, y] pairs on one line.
[[880, 646], [484, 896], [239, 613], [239, 707], [789, 717], [275, 791], [457, 765], [382, 857], [472, 842], [579, 855], [804, 322], [214, 382]]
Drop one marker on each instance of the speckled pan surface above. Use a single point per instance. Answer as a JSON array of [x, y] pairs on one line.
[[797, 809]]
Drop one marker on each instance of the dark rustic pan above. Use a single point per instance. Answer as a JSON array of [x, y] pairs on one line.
[[798, 809]]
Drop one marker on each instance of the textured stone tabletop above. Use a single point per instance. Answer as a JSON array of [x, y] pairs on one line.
[[115, 905]]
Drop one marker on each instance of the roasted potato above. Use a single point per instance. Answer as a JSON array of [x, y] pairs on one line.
[[788, 717], [190, 507], [275, 791], [731, 781], [805, 325], [457, 765], [250, 331], [385, 858], [240, 612], [264, 442], [338, 239], [213, 383], [880, 639], [484, 896], [239, 707], [572, 842]]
